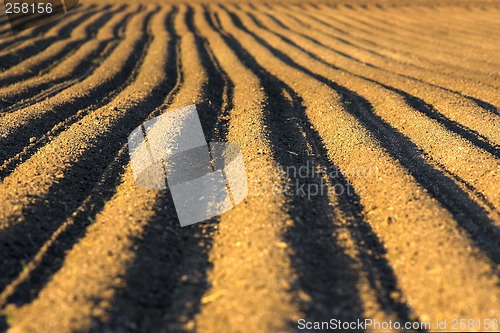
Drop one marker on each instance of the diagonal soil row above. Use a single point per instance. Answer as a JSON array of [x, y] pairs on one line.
[[326, 273], [473, 163], [372, 56], [119, 227], [439, 37], [55, 171], [46, 60], [406, 148], [413, 46], [125, 112], [112, 75], [452, 107], [105, 41], [458, 28], [73, 67], [421, 222], [14, 55], [256, 241], [416, 57], [436, 141], [10, 42]]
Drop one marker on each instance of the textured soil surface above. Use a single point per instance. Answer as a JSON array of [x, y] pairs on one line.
[[395, 105]]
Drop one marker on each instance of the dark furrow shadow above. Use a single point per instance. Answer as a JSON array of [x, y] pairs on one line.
[[375, 28], [345, 41], [419, 105], [326, 24], [407, 54], [44, 66], [3, 323], [218, 89], [326, 273], [427, 109], [469, 215], [468, 186], [347, 33], [166, 281], [415, 102], [39, 92], [352, 27], [85, 178], [66, 112], [103, 191], [37, 31], [404, 25], [16, 56], [480, 103], [483, 104], [9, 40]]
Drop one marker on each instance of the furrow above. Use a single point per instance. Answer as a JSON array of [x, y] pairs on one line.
[[255, 242], [55, 169], [327, 28], [15, 40], [49, 58], [93, 92], [32, 46], [437, 37], [315, 297], [147, 221], [437, 143], [72, 69], [103, 133], [481, 95], [402, 213], [326, 22], [181, 278], [432, 135], [436, 58], [463, 22], [464, 115], [106, 41]]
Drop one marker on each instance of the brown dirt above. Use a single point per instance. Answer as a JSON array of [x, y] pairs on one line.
[[397, 100]]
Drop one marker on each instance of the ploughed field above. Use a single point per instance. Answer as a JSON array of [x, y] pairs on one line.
[[396, 106]]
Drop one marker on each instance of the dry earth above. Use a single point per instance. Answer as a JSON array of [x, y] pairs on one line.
[[396, 103]]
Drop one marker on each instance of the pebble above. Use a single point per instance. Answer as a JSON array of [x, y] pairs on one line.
[[281, 245], [304, 296]]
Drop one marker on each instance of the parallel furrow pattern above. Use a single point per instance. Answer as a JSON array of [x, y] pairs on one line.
[[396, 106]]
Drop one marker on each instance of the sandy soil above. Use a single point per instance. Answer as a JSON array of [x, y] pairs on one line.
[[396, 103]]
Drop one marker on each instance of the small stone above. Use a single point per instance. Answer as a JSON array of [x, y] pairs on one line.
[[304, 296], [32, 139], [425, 317], [395, 295], [281, 245], [190, 325]]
